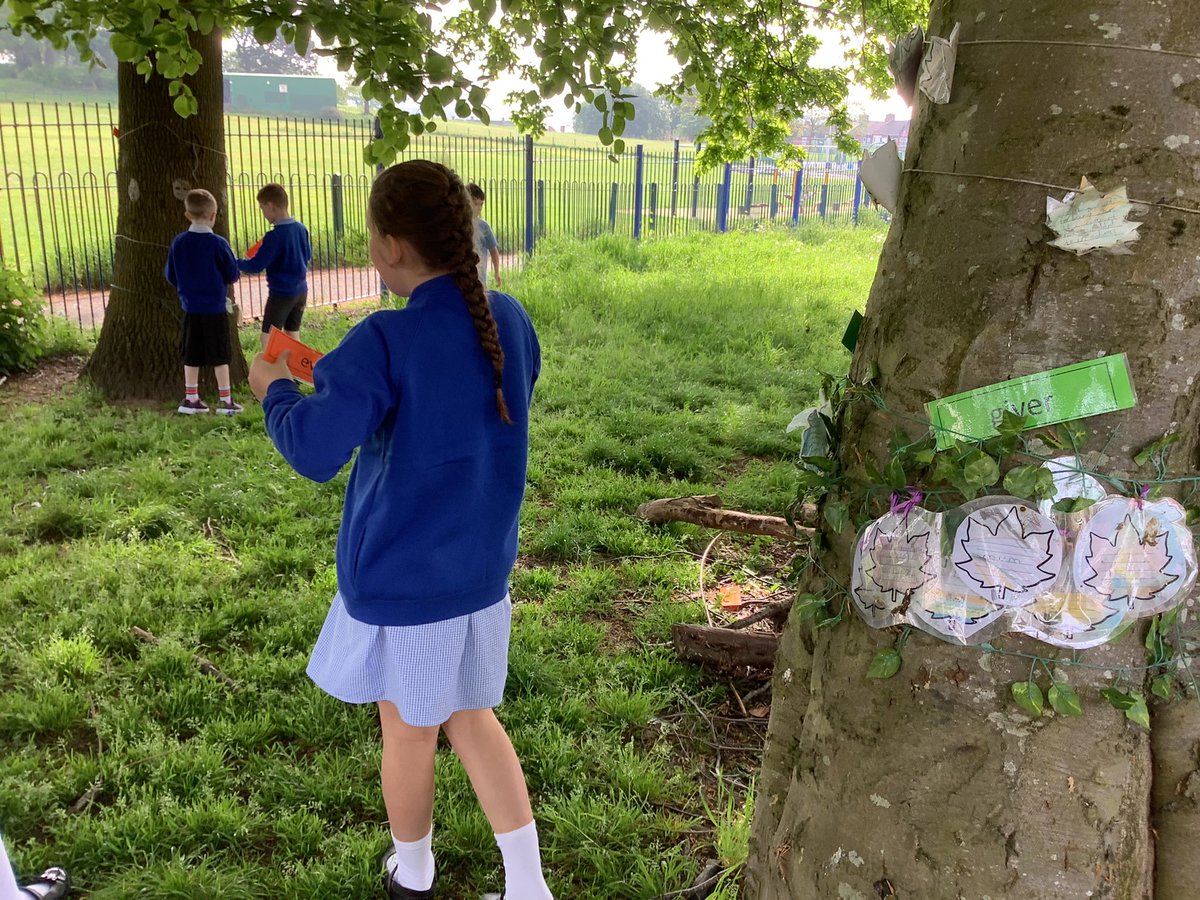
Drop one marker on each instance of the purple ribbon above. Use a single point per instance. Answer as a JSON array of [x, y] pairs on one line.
[[1143, 495], [904, 507]]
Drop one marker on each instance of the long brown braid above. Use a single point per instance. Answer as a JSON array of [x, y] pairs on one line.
[[426, 204]]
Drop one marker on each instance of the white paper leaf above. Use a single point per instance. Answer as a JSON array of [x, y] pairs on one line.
[[1091, 221], [937, 67], [880, 173]]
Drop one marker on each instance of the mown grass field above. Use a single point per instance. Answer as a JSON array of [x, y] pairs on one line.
[[58, 200], [670, 367]]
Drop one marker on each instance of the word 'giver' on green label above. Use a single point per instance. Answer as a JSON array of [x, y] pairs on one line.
[[1059, 395]]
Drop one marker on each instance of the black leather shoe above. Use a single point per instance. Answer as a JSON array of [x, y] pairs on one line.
[[397, 891]]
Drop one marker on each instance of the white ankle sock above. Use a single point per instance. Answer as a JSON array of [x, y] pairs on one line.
[[523, 879], [412, 865]]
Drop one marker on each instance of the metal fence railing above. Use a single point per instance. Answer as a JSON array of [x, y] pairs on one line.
[[58, 205]]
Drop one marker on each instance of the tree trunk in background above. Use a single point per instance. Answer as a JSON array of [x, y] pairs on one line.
[[934, 784], [161, 158]]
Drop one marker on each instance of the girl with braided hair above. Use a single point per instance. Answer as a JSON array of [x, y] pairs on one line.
[[435, 397]]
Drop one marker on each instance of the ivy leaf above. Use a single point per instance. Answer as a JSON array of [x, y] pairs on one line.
[[1012, 424], [1028, 696], [1138, 713], [1162, 685], [885, 664], [945, 468], [1030, 482], [1119, 699], [1072, 432], [837, 515], [980, 470], [894, 475], [1064, 700]]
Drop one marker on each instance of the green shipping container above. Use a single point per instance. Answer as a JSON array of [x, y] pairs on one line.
[[292, 95]]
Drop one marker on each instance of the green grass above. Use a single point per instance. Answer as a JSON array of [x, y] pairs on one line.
[[669, 368]]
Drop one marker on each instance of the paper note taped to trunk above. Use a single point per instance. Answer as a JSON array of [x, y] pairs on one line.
[[1059, 395]]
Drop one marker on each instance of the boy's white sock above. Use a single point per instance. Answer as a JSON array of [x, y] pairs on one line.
[[412, 865], [523, 879], [191, 391]]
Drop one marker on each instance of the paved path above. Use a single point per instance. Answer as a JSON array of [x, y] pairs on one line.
[[325, 288]]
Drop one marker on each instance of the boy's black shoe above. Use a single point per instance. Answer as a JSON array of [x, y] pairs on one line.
[[192, 407], [397, 891]]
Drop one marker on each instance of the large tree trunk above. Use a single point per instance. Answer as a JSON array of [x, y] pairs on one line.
[[933, 784], [161, 157]]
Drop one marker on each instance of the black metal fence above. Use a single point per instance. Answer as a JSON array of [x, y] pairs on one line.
[[59, 203]]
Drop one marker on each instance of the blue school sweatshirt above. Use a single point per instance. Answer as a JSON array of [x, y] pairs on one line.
[[285, 254], [429, 528], [201, 266]]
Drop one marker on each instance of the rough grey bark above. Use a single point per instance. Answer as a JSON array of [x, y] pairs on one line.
[[933, 784], [161, 157]]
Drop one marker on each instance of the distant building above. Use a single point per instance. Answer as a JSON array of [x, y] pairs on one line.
[[285, 95], [875, 134], [869, 133]]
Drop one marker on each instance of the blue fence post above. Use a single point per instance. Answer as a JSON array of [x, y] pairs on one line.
[[653, 205], [638, 175], [723, 199], [612, 206], [529, 193], [797, 194], [858, 189], [774, 200], [675, 180], [824, 193]]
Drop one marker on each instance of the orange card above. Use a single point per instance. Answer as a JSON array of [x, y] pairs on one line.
[[302, 358], [253, 249], [730, 596]]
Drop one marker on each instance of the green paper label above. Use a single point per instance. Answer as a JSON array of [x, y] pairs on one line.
[[1059, 395]]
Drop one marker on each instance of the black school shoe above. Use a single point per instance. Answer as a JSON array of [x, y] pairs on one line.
[[397, 891]]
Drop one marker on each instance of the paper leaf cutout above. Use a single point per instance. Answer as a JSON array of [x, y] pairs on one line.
[[1011, 558], [880, 173], [937, 68], [899, 563], [1130, 565], [1088, 220]]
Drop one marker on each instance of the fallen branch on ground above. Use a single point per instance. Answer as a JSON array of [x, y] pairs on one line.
[[723, 649], [205, 666], [706, 510]]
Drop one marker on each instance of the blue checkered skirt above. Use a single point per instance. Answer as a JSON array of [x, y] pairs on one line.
[[429, 671]]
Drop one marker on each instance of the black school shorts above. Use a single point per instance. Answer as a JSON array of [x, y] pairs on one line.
[[205, 339], [284, 311]]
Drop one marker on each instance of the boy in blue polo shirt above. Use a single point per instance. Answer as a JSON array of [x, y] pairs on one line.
[[201, 266], [284, 252]]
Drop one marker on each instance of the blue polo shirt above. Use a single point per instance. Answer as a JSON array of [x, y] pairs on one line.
[[429, 528]]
